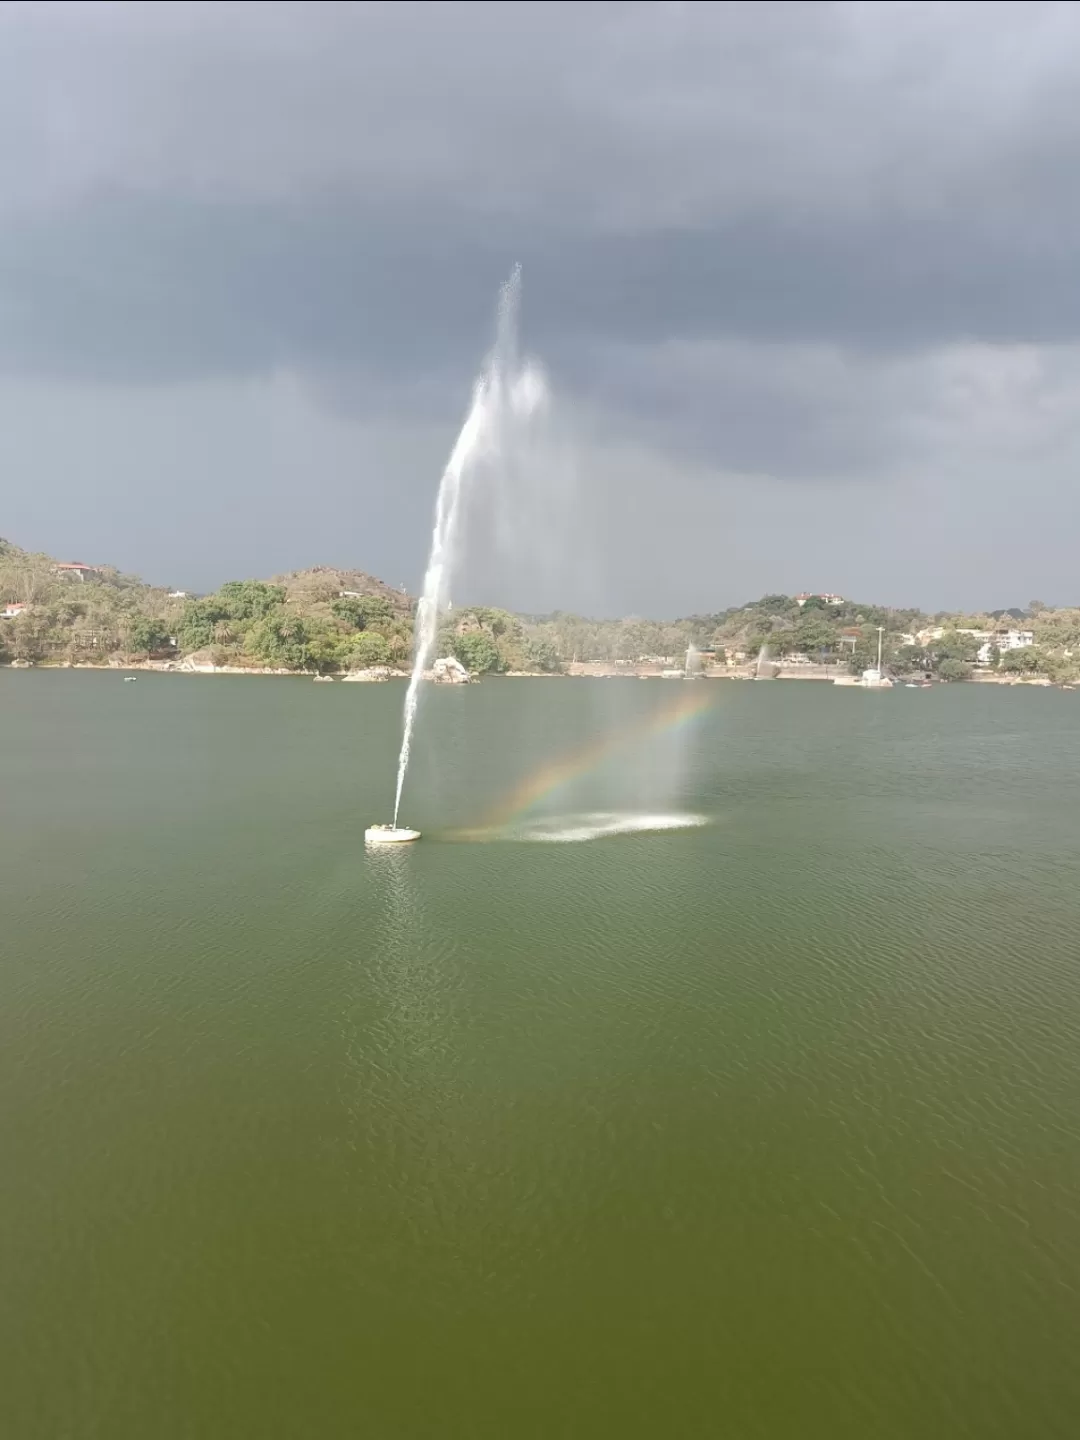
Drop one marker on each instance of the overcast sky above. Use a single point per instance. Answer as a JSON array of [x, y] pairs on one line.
[[803, 276]]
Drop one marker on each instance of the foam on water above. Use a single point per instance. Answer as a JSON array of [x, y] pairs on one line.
[[573, 829]]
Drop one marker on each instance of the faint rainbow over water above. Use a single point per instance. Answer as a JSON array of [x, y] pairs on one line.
[[696, 699]]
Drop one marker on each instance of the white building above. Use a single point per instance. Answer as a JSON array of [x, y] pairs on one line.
[[1006, 640]]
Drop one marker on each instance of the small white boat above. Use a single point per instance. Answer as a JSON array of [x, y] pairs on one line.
[[130, 679], [389, 835]]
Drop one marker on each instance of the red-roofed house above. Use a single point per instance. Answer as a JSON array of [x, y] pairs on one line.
[[9, 612], [828, 598]]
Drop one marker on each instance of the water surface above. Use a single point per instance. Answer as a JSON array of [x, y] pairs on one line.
[[765, 1127]]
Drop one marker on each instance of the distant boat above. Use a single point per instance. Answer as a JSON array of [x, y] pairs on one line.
[[130, 679]]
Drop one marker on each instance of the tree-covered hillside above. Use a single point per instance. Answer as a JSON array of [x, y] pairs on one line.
[[325, 619], [319, 619]]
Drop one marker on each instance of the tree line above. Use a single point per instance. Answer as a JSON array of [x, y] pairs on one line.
[[329, 620]]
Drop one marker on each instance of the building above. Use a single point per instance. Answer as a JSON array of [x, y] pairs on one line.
[[9, 612], [76, 569], [828, 599], [177, 595], [1005, 640], [1015, 639]]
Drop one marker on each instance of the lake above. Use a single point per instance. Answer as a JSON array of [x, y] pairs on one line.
[[762, 1127]]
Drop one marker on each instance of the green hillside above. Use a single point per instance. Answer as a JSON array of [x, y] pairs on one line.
[[327, 619]]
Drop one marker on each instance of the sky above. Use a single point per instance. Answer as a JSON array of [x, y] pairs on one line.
[[804, 279]]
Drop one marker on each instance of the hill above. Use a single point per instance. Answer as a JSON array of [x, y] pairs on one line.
[[327, 619]]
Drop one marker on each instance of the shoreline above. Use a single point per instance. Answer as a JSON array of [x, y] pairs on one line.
[[588, 670]]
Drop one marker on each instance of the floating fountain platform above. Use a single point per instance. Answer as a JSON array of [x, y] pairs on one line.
[[389, 835]]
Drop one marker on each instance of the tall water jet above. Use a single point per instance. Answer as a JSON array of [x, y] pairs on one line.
[[504, 392]]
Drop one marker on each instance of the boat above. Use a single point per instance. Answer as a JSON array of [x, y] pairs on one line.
[[130, 679], [389, 835]]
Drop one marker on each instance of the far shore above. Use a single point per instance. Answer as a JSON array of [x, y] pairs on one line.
[[577, 670]]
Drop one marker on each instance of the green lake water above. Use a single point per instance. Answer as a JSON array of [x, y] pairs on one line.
[[768, 1127]]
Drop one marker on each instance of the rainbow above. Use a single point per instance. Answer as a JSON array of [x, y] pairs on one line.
[[693, 702]]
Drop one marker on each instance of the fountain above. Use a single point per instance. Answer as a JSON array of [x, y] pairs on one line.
[[504, 393]]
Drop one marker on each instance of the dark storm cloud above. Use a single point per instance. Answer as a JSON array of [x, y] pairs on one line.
[[221, 186], [782, 239], [143, 286], [389, 317]]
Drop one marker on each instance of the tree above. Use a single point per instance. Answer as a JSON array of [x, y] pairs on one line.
[[145, 634], [776, 605], [541, 654], [281, 639], [814, 632], [196, 628], [477, 651], [367, 649], [910, 657], [954, 646], [360, 611], [950, 669], [248, 599], [756, 640], [1025, 660], [1058, 667]]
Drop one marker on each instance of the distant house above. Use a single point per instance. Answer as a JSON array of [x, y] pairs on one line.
[[177, 595], [827, 598], [1015, 639], [76, 569], [9, 612], [1006, 640]]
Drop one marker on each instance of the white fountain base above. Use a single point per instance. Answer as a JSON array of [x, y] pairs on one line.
[[389, 835]]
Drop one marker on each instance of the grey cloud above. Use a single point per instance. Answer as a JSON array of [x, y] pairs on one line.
[[195, 189], [605, 115], [784, 241]]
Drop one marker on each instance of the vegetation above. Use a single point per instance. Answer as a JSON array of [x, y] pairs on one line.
[[332, 620], [313, 620]]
